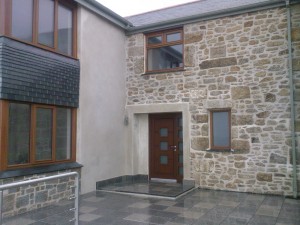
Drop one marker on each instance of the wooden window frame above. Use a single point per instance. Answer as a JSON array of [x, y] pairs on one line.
[[2, 18], [164, 43], [6, 24], [212, 146], [4, 118]]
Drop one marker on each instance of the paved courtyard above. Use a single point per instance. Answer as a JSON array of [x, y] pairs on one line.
[[201, 207]]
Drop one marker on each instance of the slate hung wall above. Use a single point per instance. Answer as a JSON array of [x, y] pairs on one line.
[[238, 62], [34, 75]]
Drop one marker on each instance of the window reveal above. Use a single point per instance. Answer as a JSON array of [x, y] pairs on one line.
[[164, 51]]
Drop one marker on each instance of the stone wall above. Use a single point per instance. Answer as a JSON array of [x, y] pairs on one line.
[[35, 196], [295, 11], [237, 62]]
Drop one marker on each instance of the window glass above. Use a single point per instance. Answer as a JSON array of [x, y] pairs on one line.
[[63, 133], [46, 22], [221, 129], [173, 37], [22, 15], [43, 144], [65, 29], [168, 57], [164, 160], [18, 133], [163, 132], [154, 40], [180, 170], [164, 145]]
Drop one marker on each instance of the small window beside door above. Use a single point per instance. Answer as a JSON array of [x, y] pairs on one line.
[[220, 129]]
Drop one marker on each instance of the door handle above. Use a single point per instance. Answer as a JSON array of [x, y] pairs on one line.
[[173, 147]]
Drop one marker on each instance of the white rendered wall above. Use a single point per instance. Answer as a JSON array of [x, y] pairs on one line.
[[100, 120]]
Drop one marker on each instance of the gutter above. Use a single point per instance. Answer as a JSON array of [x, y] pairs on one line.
[[205, 16], [290, 71], [105, 12]]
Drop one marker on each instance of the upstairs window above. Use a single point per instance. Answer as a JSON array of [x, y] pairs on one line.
[[21, 20], [164, 51], [220, 129], [48, 24]]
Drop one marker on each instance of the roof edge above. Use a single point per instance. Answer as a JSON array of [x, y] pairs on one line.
[[204, 17], [106, 13]]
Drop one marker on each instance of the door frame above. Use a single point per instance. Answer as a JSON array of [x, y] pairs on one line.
[[174, 116], [137, 151]]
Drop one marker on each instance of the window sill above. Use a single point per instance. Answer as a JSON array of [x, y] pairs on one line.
[[161, 72], [42, 47], [220, 150], [39, 170]]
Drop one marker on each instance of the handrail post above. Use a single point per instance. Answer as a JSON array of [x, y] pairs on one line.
[[76, 199], [1, 201]]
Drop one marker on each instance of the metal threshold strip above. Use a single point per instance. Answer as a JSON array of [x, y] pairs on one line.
[[144, 195]]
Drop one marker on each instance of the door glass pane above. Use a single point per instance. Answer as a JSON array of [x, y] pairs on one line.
[[21, 20], [63, 133], [173, 37], [46, 22], [165, 57], [180, 146], [180, 158], [43, 142], [180, 170], [163, 132], [18, 133], [65, 29], [180, 134], [154, 40], [220, 129], [164, 160], [163, 145]]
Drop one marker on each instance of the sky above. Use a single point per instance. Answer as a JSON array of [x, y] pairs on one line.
[[133, 7]]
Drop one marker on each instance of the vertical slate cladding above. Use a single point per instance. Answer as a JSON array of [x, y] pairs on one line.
[[35, 75]]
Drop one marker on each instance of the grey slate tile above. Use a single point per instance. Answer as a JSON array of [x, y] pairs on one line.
[[186, 10]]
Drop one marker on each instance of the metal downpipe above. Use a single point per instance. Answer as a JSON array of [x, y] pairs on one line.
[[290, 71]]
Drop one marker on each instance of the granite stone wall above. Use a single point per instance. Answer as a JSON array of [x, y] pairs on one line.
[[295, 11], [238, 62], [30, 197]]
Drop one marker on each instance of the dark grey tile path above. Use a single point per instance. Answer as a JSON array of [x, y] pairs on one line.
[[199, 207]]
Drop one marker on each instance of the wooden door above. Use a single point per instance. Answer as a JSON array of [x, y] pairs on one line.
[[166, 146]]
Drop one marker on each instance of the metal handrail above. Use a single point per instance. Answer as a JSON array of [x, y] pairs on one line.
[[38, 180]]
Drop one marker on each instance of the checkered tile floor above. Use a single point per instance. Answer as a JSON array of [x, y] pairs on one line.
[[199, 207]]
